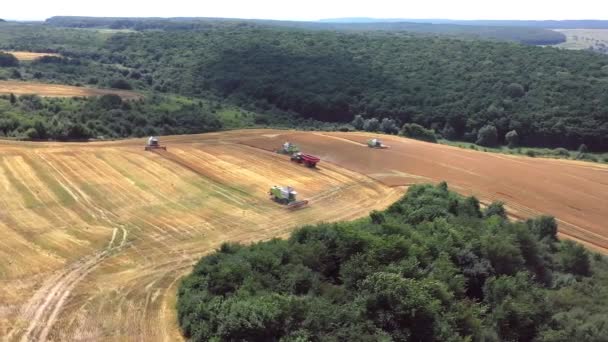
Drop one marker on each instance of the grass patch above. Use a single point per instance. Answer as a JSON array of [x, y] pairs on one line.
[[557, 153]]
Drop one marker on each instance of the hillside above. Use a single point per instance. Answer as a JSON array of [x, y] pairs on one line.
[[546, 24], [96, 236], [432, 267], [551, 97], [526, 35]]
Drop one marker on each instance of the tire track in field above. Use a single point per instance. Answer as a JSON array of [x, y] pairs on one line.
[[42, 310]]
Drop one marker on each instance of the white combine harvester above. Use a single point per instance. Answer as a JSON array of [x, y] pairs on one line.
[[153, 144], [376, 143]]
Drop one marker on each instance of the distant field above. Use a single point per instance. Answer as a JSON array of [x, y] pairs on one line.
[[29, 56], [582, 39], [58, 90]]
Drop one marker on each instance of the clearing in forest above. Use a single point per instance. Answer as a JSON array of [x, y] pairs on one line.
[[60, 90], [30, 56]]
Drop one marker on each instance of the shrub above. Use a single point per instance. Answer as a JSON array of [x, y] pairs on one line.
[[562, 152], [358, 122], [371, 125], [416, 131], [515, 90], [120, 84], [495, 209], [512, 138], [8, 60], [574, 258], [389, 126], [487, 136], [531, 153]]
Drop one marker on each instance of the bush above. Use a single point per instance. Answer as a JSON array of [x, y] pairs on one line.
[[515, 90], [416, 131], [8, 60], [358, 122], [531, 153], [512, 138], [574, 258], [487, 136], [562, 152], [389, 126], [371, 125], [120, 84], [495, 209]]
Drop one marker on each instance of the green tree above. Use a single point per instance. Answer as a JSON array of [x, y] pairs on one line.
[[358, 122], [416, 131], [574, 258], [515, 90], [371, 125], [512, 138], [487, 136], [8, 60]]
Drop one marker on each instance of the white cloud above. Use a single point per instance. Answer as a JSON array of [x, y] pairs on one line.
[[313, 9]]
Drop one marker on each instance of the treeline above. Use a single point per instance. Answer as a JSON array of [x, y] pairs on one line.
[[35, 118], [551, 97], [432, 267], [526, 35]]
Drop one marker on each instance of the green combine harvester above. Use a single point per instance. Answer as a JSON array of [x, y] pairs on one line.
[[286, 195], [289, 149]]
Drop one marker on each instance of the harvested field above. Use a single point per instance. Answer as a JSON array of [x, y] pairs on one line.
[[59, 90], [96, 236], [30, 56]]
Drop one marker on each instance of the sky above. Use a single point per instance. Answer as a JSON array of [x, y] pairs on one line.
[[313, 9]]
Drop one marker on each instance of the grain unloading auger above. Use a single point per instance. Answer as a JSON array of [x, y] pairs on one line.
[[376, 143], [286, 195], [153, 144]]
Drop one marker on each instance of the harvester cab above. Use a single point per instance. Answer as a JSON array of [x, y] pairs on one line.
[[289, 148], [153, 144], [375, 143], [286, 195]]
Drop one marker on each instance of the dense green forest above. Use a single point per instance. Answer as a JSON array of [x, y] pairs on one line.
[[432, 267], [526, 35], [549, 97], [106, 117]]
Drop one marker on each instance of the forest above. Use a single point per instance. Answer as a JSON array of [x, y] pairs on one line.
[[526, 35], [550, 97], [434, 266]]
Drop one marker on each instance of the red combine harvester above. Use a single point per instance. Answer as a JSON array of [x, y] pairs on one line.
[[306, 159]]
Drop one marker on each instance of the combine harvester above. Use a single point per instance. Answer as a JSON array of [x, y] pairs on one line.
[[286, 195], [289, 149], [306, 159], [376, 143], [153, 144]]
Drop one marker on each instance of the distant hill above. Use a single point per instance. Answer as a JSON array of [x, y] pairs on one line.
[[525, 35], [2, 21], [546, 24]]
